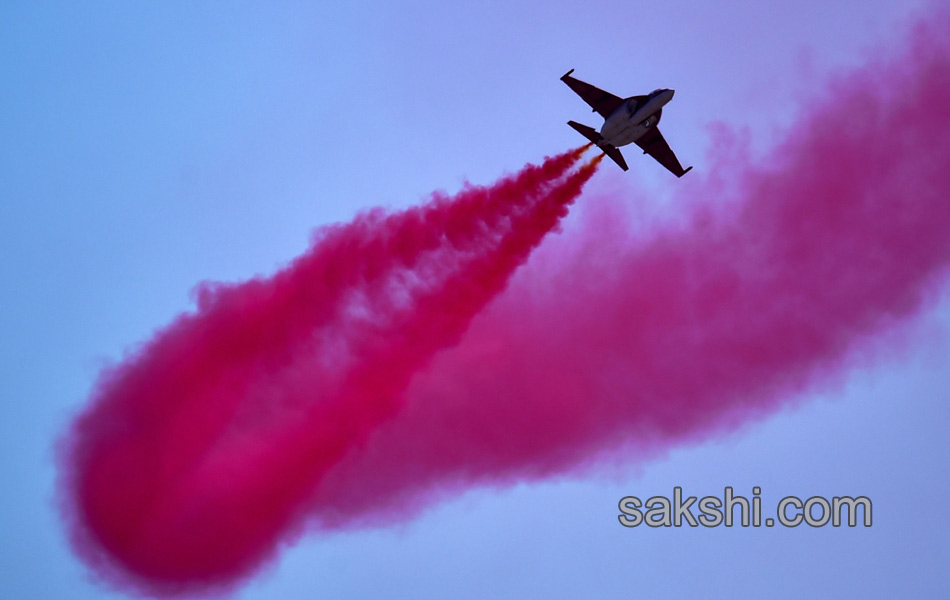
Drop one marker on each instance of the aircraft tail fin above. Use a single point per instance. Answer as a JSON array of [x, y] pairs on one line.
[[591, 134]]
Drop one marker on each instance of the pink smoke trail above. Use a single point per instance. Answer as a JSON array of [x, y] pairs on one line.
[[198, 452], [366, 388], [780, 275]]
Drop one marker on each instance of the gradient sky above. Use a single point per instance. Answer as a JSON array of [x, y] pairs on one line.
[[149, 146]]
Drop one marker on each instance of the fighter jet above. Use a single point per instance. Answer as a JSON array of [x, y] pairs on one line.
[[627, 120]]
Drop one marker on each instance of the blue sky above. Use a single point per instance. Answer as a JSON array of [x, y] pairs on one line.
[[149, 146]]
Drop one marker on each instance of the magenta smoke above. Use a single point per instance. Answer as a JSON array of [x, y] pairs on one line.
[[199, 453], [409, 356], [783, 269]]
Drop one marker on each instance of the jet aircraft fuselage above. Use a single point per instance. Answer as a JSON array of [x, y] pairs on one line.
[[632, 119]]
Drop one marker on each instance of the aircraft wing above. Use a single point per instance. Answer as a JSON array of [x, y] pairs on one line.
[[652, 143], [602, 102]]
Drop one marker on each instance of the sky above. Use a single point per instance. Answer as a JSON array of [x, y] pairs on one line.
[[151, 146]]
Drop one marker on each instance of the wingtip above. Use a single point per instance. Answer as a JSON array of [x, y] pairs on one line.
[[566, 75], [687, 170]]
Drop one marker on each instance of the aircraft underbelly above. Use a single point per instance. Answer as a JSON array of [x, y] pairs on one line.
[[623, 128]]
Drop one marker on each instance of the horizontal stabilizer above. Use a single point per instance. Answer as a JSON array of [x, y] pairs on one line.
[[614, 155], [588, 132], [591, 134]]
